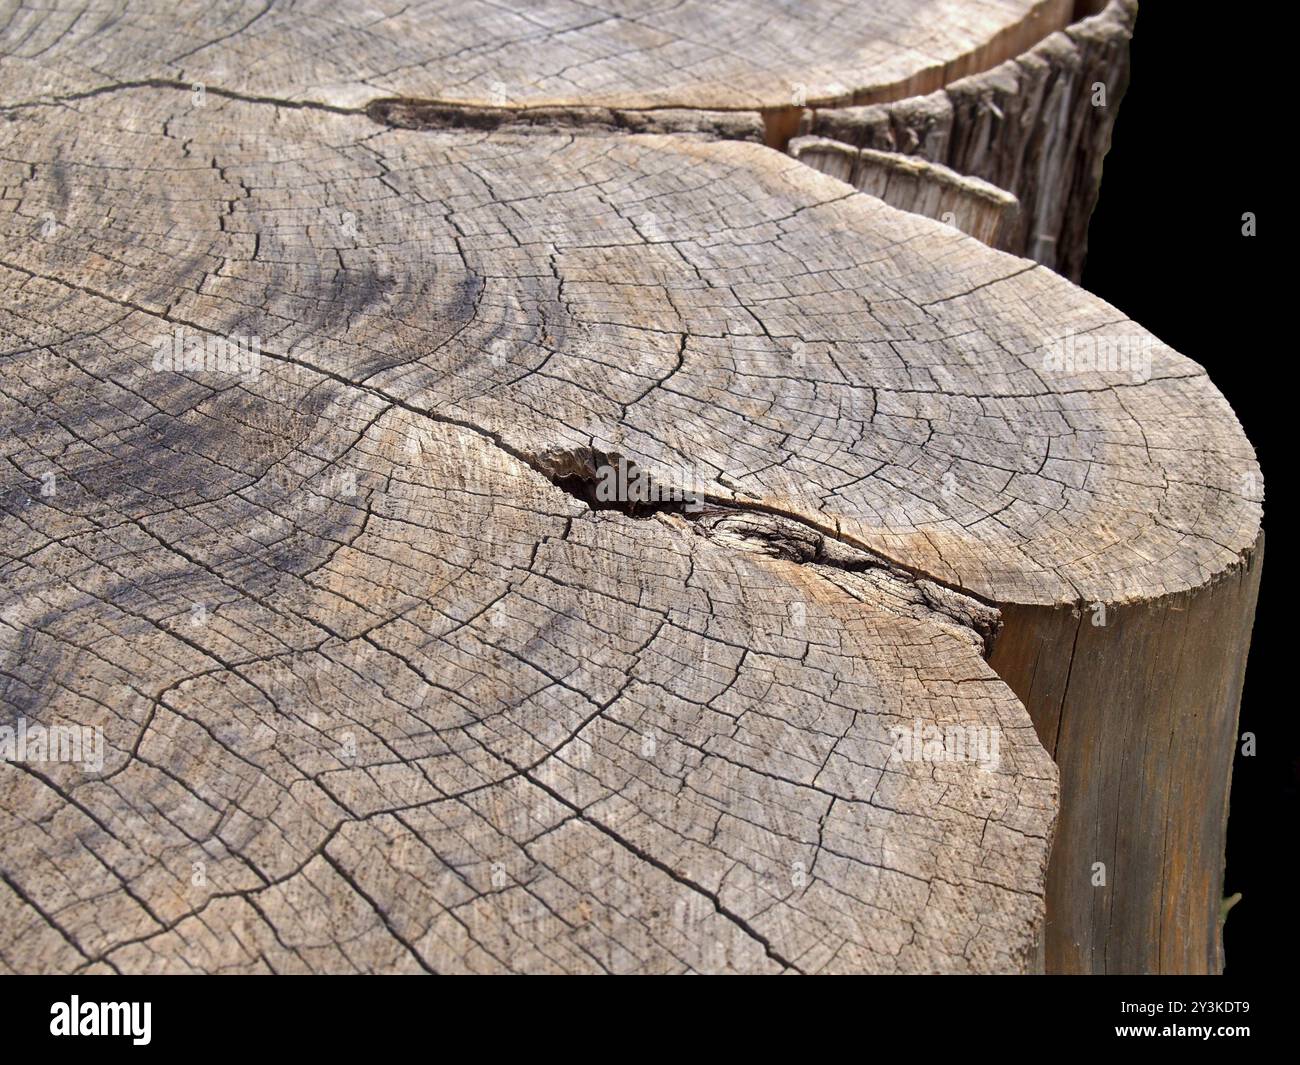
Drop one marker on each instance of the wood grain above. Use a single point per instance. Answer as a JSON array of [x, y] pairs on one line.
[[386, 684], [713, 54]]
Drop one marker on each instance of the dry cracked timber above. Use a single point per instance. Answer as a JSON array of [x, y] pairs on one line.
[[382, 689]]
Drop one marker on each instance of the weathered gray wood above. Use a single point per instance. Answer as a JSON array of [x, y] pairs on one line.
[[582, 740], [727, 54], [1038, 126], [367, 644], [984, 211]]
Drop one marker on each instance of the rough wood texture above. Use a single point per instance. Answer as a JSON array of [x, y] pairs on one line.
[[1030, 126], [1141, 716], [720, 54], [387, 683], [984, 211], [499, 649]]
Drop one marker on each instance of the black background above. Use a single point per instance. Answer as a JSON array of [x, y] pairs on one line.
[[1196, 145]]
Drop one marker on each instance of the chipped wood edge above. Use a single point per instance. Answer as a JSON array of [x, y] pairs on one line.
[[976, 207], [1029, 125]]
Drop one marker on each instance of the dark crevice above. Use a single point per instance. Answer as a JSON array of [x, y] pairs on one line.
[[417, 114], [610, 481]]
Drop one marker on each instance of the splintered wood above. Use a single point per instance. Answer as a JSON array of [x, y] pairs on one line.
[[471, 537]]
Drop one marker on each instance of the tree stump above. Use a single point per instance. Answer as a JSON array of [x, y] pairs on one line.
[[1037, 126], [548, 529]]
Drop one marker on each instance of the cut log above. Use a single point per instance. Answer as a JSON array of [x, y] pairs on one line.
[[544, 547], [713, 54], [1038, 126]]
